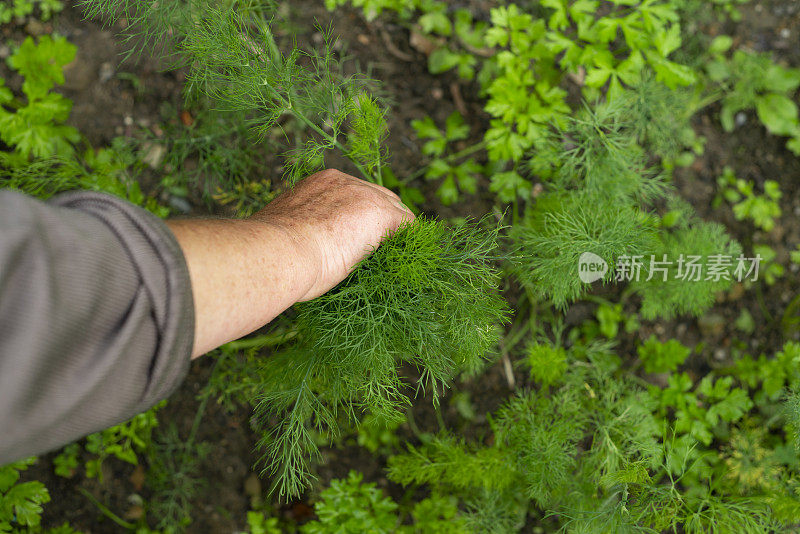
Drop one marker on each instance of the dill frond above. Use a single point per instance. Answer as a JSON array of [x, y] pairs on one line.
[[426, 297], [564, 226]]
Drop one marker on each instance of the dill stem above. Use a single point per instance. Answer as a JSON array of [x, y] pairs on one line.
[[335, 142], [265, 340], [106, 511], [202, 409], [412, 424], [274, 53], [439, 419], [516, 334]]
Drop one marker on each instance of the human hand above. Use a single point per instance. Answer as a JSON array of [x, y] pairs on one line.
[[336, 220], [245, 272]]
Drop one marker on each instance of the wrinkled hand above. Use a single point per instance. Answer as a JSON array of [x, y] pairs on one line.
[[336, 220]]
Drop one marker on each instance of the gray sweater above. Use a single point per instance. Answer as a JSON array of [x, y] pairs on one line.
[[96, 317]]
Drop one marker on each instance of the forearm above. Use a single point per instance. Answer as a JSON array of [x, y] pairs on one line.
[[244, 273]]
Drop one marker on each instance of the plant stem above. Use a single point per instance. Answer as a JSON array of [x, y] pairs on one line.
[[439, 419], [412, 424], [335, 142], [762, 304], [452, 157], [106, 512], [201, 410], [265, 340], [275, 55], [515, 211]]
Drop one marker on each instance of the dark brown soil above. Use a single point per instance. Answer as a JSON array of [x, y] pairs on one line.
[[113, 99]]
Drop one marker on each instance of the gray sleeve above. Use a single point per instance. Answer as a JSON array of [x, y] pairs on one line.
[[96, 317]]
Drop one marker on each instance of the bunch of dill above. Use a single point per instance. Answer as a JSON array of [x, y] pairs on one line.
[[426, 297]]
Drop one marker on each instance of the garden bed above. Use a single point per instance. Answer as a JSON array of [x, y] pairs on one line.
[[137, 98]]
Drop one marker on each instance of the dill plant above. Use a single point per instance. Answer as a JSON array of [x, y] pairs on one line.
[[211, 159], [604, 167], [427, 297], [235, 65], [592, 450], [603, 195], [596, 452]]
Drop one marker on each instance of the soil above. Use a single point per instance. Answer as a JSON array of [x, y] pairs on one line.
[[113, 99]]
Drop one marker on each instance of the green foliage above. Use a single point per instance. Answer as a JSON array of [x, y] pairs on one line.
[[238, 372], [428, 294], [426, 297], [349, 506], [595, 164], [770, 377], [107, 170], [509, 186], [22, 8], [662, 357], [20, 503], [792, 414], [599, 454], [212, 156], [524, 57], [174, 476], [650, 31], [437, 515], [376, 434], [67, 462], [583, 446], [456, 177], [572, 36], [754, 81], [448, 461], [761, 209], [683, 287], [751, 466], [44, 160], [42, 64], [36, 127], [609, 319], [547, 363], [122, 441], [373, 8], [794, 255], [598, 189], [235, 64], [161, 26], [257, 523], [565, 227], [698, 413], [703, 12], [769, 269], [265, 84], [536, 453]]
